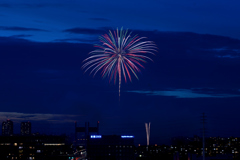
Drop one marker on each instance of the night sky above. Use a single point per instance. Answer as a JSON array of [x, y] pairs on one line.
[[195, 70]]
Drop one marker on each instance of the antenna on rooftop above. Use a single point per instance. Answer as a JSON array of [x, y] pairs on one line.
[[203, 122]]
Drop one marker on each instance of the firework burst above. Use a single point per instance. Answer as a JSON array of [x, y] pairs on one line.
[[119, 55]]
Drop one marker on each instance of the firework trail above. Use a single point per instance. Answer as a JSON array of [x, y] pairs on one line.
[[119, 55]]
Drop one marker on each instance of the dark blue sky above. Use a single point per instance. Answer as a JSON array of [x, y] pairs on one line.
[[195, 70]]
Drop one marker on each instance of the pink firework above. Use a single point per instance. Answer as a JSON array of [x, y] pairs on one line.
[[119, 55]]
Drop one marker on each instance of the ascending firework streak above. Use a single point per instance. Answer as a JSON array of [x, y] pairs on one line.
[[119, 55], [147, 126]]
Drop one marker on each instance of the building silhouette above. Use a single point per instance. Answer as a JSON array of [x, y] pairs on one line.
[[81, 139], [26, 128], [7, 128], [35, 147], [109, 147]]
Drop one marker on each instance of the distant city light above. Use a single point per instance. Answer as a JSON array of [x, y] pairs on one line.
[[127, 136], [95, 136]]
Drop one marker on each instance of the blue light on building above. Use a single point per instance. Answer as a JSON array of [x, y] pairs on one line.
[[127, 136], [95, 136]]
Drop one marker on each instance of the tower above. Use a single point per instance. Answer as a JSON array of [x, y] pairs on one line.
[[7, 128], [86, 130], [26, 128]]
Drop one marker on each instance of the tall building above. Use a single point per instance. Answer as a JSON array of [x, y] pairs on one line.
[[81, 139], [7, 128], [26, 128]]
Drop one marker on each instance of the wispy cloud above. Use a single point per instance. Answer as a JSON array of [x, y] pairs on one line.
[[227, 56], [100, 19], [20, 29], [38, 5], [186, 93], [226, 52], [76, 40], [21, 36], [29, 5], [88, 31], [5, 5], [19, 117]]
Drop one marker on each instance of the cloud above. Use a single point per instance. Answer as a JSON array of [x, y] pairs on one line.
[[76, 40], [187, 93], [20, 117], [39, 5], [29, 5], [20, 29], [5, 5], [227, 56], [49, 71], [13, 40], [21, 36], [225, 52], [88, 31], [100, 19]]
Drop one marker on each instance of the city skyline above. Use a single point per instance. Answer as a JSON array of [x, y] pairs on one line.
[[196, 68]]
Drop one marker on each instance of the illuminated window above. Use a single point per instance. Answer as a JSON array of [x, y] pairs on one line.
[[54, 144], [15, 144], [38, 151], [127, 136]]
